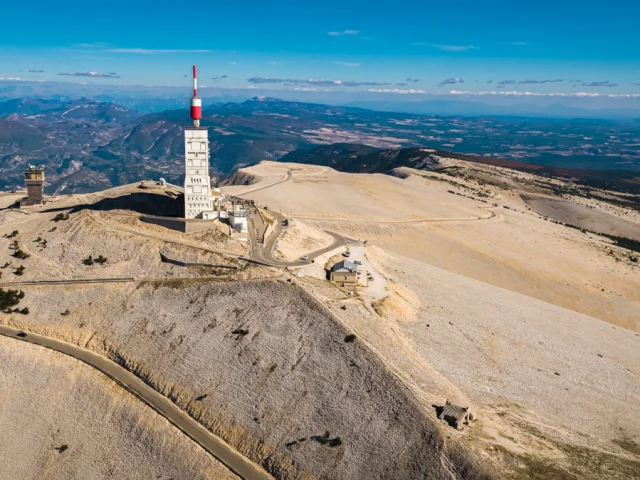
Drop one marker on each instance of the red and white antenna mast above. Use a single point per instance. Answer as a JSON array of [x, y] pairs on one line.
[[196, 103]]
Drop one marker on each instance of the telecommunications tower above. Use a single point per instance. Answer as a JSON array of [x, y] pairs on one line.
[[197, 184]]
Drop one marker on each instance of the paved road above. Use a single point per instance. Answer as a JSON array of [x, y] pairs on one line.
[[236, 462], [263, 253], [491, 216], [286, 178]]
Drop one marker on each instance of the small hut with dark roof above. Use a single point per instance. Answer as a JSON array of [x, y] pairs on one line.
[[456, 416]]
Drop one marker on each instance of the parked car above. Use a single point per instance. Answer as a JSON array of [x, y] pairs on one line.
[[357, 262], [304, 257], [347, 253]]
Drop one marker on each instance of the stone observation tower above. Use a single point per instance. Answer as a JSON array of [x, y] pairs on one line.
[[34, 180], [198, 202]]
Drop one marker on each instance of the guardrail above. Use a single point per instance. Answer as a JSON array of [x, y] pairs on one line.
[[69, 281]]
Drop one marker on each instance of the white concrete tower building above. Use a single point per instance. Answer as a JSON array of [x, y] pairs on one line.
[[197, 184]]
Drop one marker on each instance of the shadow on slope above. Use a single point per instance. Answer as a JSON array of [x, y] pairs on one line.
[[144, 203]]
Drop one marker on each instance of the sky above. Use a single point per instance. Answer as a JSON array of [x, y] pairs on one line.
[[458, 48]]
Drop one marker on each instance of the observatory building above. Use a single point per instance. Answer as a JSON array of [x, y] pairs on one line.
[[34, 180], [198, 202]]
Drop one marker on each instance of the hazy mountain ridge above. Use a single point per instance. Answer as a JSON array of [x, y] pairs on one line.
[[110, 145]]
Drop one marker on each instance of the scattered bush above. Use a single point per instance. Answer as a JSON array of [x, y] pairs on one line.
[[12, 234], [19, 271], [10, 298], [90, 260], [350, 338], [61, 216], [53, 229], [335, 442], [241, 332], [65, 313], [21, 254], [24, 311], [62, 448]]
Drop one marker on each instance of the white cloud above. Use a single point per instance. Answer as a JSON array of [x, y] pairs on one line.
[[409, 91], [232, 63], [12, 79], [446, 48], [557, 94], [90, 74], [451, 81], [275, 63], [348, 64], [149, 51], [307, 89], [344, 32]]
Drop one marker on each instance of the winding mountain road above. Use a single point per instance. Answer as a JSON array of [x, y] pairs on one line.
[[231, 458]]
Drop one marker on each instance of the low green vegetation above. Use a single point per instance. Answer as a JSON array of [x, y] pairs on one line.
[[61, 217], [22, 255], [90, 260], [10, 298]]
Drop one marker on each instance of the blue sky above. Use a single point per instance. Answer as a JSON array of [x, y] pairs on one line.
[[471, 46]]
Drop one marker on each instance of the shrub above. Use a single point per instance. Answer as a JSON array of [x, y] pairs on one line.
[[62, 448], [10, 298], [241, 332], [88, 260], [21, 254], [24, 311], [101, 260], [19, 271], [65, 313], [335, 442], [350, 338], [61, 216], [53, 229]]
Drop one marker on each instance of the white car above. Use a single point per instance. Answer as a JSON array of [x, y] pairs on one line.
[[304, 257]]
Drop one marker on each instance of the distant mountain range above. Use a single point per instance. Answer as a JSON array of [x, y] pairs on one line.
[[364, 159], [88, 145]]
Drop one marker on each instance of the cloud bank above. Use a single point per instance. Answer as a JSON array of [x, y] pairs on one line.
[[446, 48], [343, 32], [149, 51], [557, 94], [36, 71], [91, 74], [314, 81]]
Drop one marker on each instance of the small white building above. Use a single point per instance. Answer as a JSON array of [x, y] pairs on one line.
[[238, 220]]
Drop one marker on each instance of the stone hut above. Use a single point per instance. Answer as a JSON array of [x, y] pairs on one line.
[[456, 416]]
